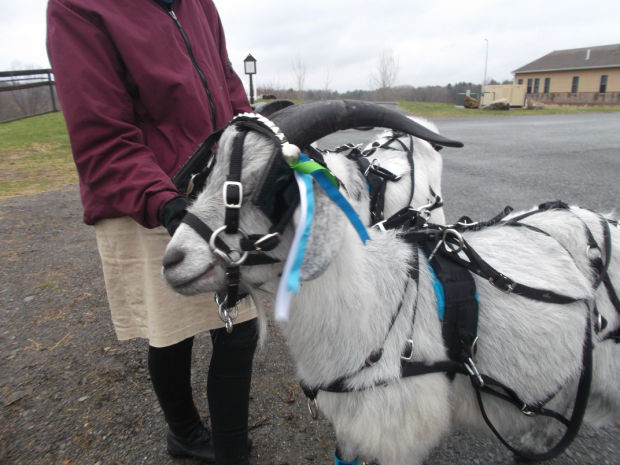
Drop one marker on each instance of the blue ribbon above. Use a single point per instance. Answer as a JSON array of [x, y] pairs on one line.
[[439, 292], [293, 277], [332, 191]]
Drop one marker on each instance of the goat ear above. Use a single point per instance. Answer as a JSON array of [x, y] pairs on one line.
[[325, 238]]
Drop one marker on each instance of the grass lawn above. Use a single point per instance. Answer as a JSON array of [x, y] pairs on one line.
[[35, 155]]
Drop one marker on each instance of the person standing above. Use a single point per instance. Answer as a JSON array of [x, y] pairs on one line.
[[142, 83]]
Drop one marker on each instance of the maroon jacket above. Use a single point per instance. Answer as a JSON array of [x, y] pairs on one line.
[[139, 93]]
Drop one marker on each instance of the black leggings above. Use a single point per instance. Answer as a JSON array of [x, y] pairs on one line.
[[228, 386]]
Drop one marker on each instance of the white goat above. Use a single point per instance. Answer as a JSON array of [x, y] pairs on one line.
[[389, 150], [351, 292]]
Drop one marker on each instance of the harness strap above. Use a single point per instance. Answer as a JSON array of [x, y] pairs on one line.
[[573, 425], [206, 232], [340, 384], [599, 262], [480, 267], [460, 323], [233, 189]]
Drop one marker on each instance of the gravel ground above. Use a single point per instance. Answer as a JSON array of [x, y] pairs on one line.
[[70, 393]]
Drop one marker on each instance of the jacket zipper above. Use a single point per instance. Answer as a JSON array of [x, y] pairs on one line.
[[173, 15]]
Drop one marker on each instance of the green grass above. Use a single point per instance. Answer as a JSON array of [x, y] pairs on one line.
[[446, 110], [35, 156]]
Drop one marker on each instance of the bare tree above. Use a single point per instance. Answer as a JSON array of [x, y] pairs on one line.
[[299, 68], [387, 70], [326, 92]]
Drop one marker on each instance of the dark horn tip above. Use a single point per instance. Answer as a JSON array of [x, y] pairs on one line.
[[307, 122]]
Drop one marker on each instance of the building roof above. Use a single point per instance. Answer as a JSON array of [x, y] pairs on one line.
[[603, 56]]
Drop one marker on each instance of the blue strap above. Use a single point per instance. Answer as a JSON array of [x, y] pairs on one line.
[[439, 292], [332, 191], [337, 461]]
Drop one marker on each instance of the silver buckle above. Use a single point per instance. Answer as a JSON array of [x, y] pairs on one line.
[[239, 186], [510, 285], [190, 185], [407, 353], [380, 226], [313, 408], [471, 368], [525, 410], [265, 238]]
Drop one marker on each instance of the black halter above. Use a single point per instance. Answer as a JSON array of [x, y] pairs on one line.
[[276, 196]]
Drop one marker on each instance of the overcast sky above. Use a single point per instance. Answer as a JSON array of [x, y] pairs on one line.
[[339, 42]]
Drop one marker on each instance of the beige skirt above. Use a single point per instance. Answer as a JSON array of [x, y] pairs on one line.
[[141, 303]]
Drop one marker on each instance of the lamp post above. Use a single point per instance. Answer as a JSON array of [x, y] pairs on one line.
[[486, 59], [249, 65]]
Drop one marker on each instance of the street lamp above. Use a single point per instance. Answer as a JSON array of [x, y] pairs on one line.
[[249, 65], [486, 59]]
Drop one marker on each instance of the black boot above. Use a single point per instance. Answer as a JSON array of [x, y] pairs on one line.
[[198, 444]]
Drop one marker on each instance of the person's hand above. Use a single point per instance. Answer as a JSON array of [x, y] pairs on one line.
[[173, 212]]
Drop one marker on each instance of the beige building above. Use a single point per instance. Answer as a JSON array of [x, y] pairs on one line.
[[584, 76]]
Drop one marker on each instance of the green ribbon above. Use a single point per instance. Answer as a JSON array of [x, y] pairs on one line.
[[311, 166]]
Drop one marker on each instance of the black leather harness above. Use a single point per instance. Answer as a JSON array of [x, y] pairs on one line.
[[442, 246]]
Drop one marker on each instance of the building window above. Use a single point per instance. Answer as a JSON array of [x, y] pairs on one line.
[[575, 86], [529, 86], [520, 82], [603, 87], [536, 85], [547, 85]]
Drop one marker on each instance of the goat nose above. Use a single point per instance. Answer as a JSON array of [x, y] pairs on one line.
[[173, 257]]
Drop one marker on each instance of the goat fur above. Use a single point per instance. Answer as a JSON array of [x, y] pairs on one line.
[[342, 315]]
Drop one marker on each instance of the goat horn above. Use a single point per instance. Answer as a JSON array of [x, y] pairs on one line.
[[307, 122]]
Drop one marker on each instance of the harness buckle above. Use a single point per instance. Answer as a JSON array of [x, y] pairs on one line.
[[407, 353], [190, 185], [503, 283], [471, 368], [372, 166], [525, 410], [225, 192], [313, 409], [380, 225], [265, 238]]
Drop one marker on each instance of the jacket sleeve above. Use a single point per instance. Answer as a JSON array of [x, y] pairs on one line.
[[109, 150], [238, 97]]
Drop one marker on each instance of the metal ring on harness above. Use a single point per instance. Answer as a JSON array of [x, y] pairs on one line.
[[449, 247], [598, 324], [313, 409], [223, 255], [474, 348]]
